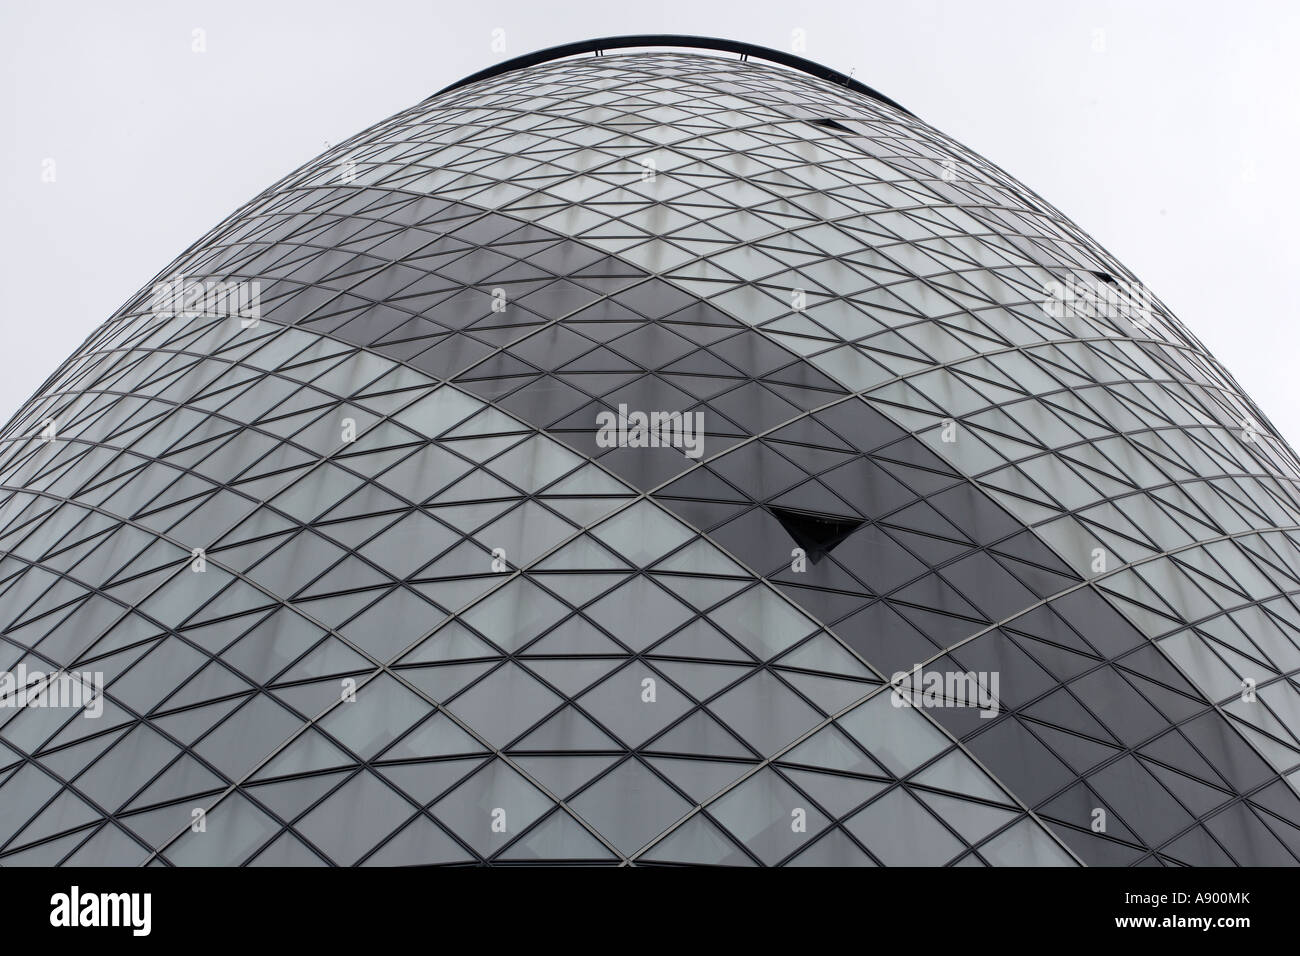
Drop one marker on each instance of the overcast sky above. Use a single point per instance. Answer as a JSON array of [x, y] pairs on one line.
[[1169, 131]]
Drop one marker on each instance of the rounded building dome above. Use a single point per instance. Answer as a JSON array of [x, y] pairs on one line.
[[659, 457]]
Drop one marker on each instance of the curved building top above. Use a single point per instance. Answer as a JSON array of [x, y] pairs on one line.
[[599, 45]]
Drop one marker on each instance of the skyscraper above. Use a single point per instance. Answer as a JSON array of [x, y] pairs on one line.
[[658, 457]]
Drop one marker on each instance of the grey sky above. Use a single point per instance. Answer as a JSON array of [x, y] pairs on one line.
[[1165, 135]]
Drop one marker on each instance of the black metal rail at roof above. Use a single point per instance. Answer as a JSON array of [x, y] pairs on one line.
[[744, 50]]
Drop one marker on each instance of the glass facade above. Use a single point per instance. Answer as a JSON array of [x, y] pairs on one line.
[[368, 579]]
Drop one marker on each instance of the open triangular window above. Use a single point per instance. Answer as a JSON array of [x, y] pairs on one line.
[[817, 534]]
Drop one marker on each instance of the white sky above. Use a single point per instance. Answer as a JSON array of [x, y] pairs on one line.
[[1169, 146]]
